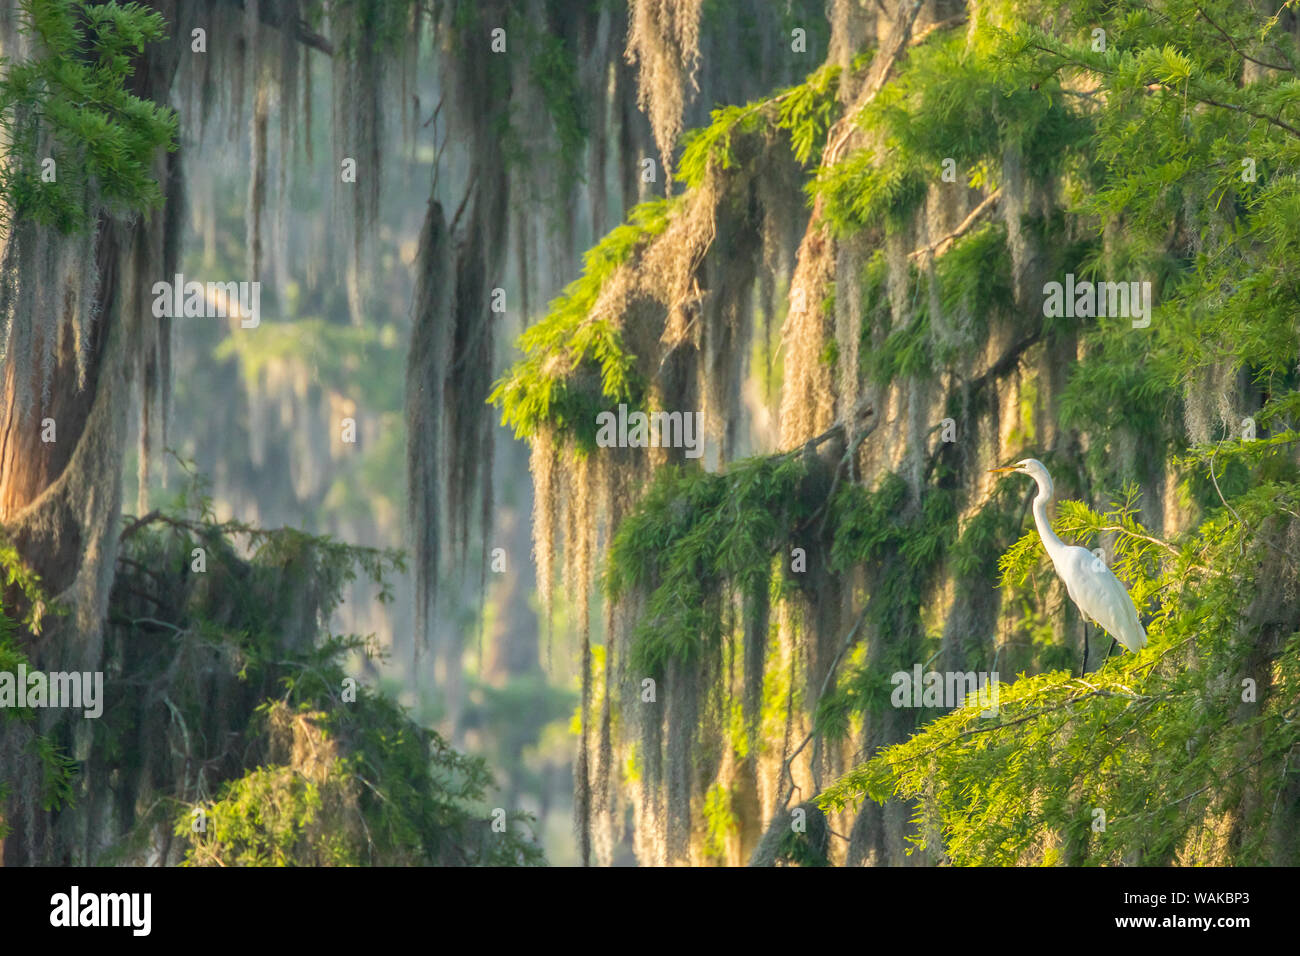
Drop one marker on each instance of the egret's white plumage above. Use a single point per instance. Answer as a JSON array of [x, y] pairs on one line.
[[1092, 586]]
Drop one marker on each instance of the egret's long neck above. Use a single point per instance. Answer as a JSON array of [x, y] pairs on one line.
[[1054, 545]]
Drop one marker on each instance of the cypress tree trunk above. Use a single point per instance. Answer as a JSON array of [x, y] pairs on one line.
[[59, 498]]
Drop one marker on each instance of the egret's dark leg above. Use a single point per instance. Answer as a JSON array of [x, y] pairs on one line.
[[1113, 642], [1084, 670]]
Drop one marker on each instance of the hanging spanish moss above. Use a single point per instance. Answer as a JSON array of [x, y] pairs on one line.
[[674, 288], [87, 488], [456, 498], [157, 253], [663, 40], [45, 295], [490, 109], [363, 32], [81, 333], [425, 384]]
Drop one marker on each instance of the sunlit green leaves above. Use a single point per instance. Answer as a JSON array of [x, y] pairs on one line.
[[804, 112], [695, 535], [546, 387]]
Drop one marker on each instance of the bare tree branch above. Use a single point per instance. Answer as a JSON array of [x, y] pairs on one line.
[[942, 245]]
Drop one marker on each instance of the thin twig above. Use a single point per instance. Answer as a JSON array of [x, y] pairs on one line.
[[934, 248], [875, 84], [948, 24], [1238, 50], [830, 672], [1241, 543], [1275, 121]]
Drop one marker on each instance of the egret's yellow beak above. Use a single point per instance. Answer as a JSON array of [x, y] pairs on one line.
[[998, 471]]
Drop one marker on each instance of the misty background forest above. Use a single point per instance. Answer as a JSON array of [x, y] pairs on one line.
[[315, 319]]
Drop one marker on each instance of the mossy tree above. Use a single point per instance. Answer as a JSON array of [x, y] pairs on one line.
[[918, 296]]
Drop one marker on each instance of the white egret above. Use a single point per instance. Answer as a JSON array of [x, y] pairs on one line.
[[1092, 586]]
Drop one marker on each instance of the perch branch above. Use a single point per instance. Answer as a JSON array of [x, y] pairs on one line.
[[942, 245]]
